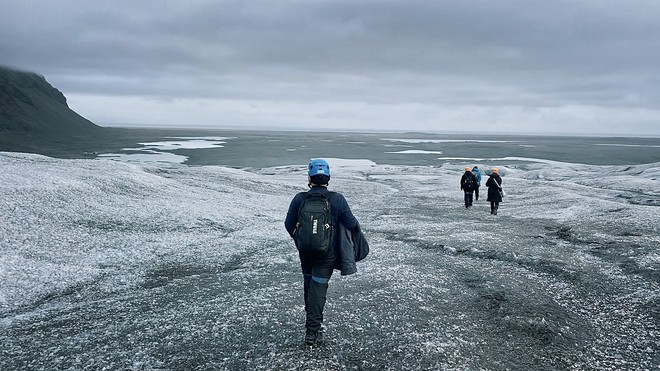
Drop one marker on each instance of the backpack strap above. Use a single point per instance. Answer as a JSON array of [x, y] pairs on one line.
[[327, 195]]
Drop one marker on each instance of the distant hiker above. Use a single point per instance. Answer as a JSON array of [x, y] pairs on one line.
[[327, 236], [468, 185], [477, 174], [494, 184]]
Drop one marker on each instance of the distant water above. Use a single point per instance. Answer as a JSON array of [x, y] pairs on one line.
[[258, 149]]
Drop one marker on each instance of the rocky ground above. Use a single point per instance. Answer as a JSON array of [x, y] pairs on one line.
[[107, 265]]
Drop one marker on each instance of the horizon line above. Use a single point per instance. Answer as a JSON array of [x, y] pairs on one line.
[[385, 131]]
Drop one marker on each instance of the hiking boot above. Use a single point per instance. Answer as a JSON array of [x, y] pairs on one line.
[[311, 338]]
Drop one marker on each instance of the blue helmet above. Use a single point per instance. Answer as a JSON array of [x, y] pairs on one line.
[[318, 167]]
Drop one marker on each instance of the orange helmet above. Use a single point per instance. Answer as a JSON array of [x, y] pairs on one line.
[[467, 168]]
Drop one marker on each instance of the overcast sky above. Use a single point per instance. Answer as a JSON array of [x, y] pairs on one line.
[[574, 66]]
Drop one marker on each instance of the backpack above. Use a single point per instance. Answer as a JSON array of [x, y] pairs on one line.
[[470, 182], [314, 229]]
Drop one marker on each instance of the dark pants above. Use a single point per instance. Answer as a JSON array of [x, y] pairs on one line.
[[476, 193], [493, 207], [316, 275], [468, 199]]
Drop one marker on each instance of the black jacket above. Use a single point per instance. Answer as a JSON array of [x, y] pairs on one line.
[[353, 247], [464, 180], [494, 184]]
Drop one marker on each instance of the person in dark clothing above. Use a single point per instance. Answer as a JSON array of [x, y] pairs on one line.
[[477, 174], [317, 270], [468, 184], [494, 184]]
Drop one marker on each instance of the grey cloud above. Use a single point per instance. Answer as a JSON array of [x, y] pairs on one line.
[[536, 54]]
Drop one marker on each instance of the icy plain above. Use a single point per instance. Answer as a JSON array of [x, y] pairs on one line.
[[112, 265]]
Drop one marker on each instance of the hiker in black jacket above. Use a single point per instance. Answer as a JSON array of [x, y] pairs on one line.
[[317, 269], [468, 185], [494, 184]]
